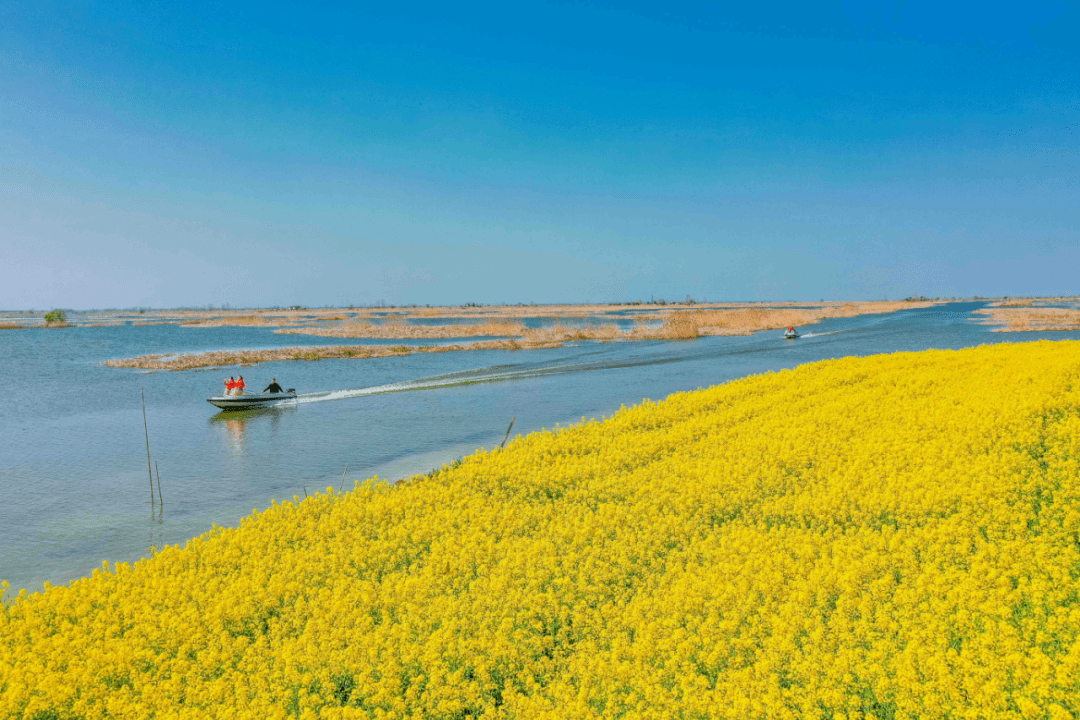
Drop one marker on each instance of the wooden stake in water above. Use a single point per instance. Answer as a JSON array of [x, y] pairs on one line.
[[147, 431], [507, 433], [160, 501]]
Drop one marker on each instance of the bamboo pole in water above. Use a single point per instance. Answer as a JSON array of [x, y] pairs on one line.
[[147, 431], [160, 501], [507, 433], [343, 477]]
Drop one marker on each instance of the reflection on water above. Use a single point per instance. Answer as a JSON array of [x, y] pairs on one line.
[[235, 422], [234, 427], [156, 528], [73, 461]]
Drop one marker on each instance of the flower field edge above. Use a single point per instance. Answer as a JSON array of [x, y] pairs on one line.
[[896, 536]]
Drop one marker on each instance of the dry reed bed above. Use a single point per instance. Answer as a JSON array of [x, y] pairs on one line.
[[740, 320], [1031, 319], [531, 339], [744, 321], [220, 358], [31, 324], [17, 326], [568, 311], [680, 325], [214, 318], [289, 318], [1036, 302], [397, 329], [237, 321]]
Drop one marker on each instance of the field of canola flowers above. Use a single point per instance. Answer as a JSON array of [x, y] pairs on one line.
[[889, 537]]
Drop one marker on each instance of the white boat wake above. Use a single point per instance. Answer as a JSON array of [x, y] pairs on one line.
[[822, 334], [465, 377], [611, 357], [497, 373]]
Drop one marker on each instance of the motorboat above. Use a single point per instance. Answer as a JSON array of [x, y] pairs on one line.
[[253, 400], [791, 334]]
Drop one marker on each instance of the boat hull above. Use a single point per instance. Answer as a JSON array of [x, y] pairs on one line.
[[247, 402]]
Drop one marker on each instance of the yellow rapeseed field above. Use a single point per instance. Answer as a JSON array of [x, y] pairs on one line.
[[888, 537]]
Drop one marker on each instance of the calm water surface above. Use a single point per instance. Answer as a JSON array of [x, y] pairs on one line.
[[73, 455]]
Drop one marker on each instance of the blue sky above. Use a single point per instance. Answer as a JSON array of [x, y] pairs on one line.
[[168, 155]]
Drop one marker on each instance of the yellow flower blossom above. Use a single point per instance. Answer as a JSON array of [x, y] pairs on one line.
[[895, 536]]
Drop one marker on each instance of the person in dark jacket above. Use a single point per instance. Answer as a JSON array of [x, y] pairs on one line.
[[273, 387]]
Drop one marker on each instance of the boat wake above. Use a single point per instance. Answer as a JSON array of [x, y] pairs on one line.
[[822, 334], [523, 371]]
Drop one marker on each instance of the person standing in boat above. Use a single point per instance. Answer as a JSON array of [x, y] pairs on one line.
[[238, 389], [229, 385], [273, 387]]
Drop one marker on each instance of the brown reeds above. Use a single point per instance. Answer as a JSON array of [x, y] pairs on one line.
[[561, 333], [220, 358], [396, 328], [494, 320], [238, 321], [676, 324], [1031, 319], [679, 326], [12, 326], [748, 320]]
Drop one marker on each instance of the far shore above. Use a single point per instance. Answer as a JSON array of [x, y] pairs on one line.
[[673, 325], [299, 317], [1026, 316], [503, 327]]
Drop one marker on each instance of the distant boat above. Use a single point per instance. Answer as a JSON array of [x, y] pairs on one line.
[[254, 400], [791, 334]]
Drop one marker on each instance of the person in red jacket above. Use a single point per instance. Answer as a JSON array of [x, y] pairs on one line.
[[229, 385], [238, 389]]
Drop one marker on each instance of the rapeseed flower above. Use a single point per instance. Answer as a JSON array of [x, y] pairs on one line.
[[895, 536]]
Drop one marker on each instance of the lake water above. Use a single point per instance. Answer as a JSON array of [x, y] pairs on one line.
[[73, 469]]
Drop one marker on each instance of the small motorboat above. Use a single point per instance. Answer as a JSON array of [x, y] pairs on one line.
[[791, 334], [249, 401]]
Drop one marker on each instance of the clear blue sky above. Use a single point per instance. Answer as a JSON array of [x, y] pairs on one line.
[[274, 154]]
